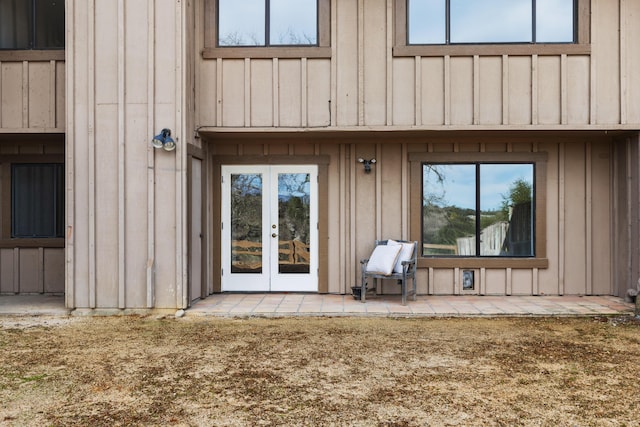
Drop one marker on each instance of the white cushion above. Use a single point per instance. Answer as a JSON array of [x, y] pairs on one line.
[[406, 254], [383, 259]]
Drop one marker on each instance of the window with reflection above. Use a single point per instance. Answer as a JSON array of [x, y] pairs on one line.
[[267, 23], [478, 209], [491, 21], [31, 24]]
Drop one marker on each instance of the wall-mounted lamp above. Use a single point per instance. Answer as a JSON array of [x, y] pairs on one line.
[[367, 164], [164, 140]]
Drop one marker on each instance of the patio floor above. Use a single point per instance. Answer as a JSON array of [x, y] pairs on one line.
[[300, 304], [285, 304]]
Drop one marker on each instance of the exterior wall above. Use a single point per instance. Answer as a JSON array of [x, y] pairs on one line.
[[32, 91], [371, 99], [127, 76]]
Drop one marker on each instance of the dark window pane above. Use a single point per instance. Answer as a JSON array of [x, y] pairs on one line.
[[37, 208], [49, 28], [293, 22], [427, 19], [473, 21], [449, 207], [15, 24], [506, 210]]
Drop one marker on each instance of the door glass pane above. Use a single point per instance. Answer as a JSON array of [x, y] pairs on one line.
[[246, 223], [293, 22], [241, 23], [506, 210], [449, 209], [294, 196]]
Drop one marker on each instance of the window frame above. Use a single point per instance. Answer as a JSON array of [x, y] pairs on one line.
[[582, 44], [539, 160], [6, 186], [33, 32], [212, 50]]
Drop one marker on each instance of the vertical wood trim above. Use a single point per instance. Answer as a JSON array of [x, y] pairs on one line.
[[534, 89], [536, 282], [181, 107], [564, 114], [276, 92], [476, 89], [91, 141], [70, 87], [247, 92], [1, 91], [40, 272], [16, 270], [304, 93], [121, 153], [353, 230], [418, 91], [505, 89], [323, 228], [342, 242], [430, 283], [508, 290], [593, 105], [483, 281], [379, 201], [361, 103], [151, 115], [589, 218], [404, 197], [219, 95], [561, 218], [456, 281], [447, 90], [623, 61], [389, 64], [25, 94], [52, 94], [334, 64]]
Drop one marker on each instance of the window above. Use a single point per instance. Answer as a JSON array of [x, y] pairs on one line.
[[37, 200], [478, 209], [471, 21], [491, 27], [267, 28], [267, 23], [32, 24]]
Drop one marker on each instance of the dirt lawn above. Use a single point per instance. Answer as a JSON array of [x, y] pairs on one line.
[[319, 371]]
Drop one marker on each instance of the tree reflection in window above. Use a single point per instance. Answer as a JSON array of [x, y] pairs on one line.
[[478, 209]]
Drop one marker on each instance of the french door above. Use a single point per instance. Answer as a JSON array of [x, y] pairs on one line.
[[270, 228]]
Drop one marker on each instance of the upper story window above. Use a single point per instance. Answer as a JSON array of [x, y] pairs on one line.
[[267, 29], [31, 24], [267, 23], [490, 21], [491, 27]]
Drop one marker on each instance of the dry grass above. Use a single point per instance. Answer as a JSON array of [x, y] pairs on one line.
[[319, 371]]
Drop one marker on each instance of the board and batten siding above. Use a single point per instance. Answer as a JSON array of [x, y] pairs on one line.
[[129, 69], [364, 83]]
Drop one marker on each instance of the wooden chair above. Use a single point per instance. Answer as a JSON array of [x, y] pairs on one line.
[[402, 270]]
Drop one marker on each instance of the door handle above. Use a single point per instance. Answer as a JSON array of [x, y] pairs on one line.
[[274, 235]]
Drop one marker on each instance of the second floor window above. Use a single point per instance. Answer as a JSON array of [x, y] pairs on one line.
[[31, 24], [490, 21], [267, 23]]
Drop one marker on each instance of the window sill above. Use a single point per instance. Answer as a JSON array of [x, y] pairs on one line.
[[491, 49], [483, 263], [267, 52], [32, 243], [32, 55]]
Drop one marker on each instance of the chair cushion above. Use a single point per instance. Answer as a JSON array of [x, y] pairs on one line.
[[406, 254], [383, 259]]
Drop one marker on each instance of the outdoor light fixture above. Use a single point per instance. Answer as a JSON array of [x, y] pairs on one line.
[[367, 164], [164, 140]]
